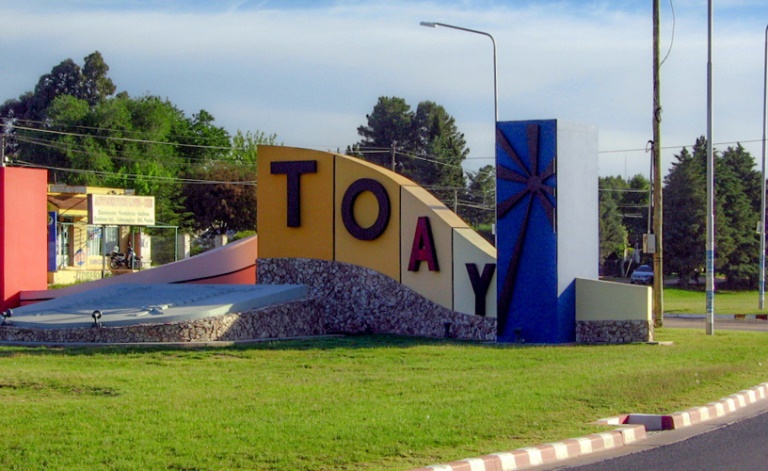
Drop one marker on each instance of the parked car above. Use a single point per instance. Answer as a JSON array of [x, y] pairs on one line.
[[643, 275]]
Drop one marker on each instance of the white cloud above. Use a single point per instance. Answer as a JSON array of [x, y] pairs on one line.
[[311, 74]]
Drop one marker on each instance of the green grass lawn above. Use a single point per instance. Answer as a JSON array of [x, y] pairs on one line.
[[367, 402], [678, 301]]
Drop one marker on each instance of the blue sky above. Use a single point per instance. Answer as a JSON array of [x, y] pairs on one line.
[[310, 71]]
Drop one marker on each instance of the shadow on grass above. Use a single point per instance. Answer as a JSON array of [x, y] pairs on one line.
[[315, 343]]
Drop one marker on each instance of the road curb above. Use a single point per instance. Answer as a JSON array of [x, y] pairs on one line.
[[716, 409], [630, 428]]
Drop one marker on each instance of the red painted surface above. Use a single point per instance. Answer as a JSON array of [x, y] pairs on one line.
[[23, 233], [234, 263]]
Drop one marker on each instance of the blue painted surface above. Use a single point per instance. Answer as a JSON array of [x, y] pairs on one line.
[[528, 274], [52, 238]]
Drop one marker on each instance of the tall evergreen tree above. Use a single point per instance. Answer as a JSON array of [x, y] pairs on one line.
[[685, 213], [737, 190], [425, 145], [388, 128], [738, 187]]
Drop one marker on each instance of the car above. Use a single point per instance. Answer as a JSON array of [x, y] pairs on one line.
[[643, 275]]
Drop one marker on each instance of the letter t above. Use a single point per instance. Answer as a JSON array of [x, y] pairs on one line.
[[294, 169]]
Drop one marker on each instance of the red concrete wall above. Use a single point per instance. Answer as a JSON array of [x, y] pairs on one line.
[[23, 233], [233, 263]]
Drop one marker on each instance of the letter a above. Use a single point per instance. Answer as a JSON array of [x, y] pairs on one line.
[[423, 249]]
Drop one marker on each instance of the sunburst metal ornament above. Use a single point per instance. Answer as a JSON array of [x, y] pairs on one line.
[[526, 210]]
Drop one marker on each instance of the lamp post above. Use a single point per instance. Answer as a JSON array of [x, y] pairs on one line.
[[433, 24], [762, 192], [710, 248]]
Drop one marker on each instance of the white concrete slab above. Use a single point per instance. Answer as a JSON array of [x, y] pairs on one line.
[[131, 304]]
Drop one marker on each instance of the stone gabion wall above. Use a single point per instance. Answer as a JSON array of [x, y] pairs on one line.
[[360, 300], [613, 331], [292, 319], [342, 298]]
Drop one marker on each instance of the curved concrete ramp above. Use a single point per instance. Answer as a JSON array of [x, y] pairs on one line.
[[131, 304], [234, 263]]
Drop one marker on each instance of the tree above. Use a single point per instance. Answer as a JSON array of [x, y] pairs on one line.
[[424, 145], [634, 207], [613, 234], [389, 126], [230, 203], [738, 187], [74, 125], [96, 86], [439, 147], [90, 83], [685, 212], [478, 204], [737, 202], [245, 146], [120, 142]]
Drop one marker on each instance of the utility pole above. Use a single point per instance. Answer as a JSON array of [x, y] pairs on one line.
[[392, 154], [761, 302], [658, 265]]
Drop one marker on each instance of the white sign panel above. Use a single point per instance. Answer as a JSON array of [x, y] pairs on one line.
[[121, 210]]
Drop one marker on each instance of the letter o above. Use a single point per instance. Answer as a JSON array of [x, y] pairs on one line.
[[348, 204]]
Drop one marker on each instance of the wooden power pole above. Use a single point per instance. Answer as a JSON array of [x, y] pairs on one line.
[[658, 265]]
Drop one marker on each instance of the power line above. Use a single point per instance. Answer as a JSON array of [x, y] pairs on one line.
[[155, 178], [137, 157], [125, 139], [367, 149]]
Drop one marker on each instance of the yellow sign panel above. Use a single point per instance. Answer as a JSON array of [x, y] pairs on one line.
[[427, 245], [368, 215], [121, 210], [295, 203]]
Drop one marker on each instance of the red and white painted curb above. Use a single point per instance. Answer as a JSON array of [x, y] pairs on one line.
[[631, 428]]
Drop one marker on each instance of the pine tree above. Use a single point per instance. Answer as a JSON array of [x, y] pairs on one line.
[[684, 213]]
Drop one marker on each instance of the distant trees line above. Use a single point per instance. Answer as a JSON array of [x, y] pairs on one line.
[[624, 215]]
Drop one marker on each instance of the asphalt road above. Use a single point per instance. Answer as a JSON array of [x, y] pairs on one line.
[[733, 442], [738, 445], [721, 322]]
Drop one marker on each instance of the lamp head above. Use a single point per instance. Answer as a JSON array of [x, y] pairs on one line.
[[96, 316], [429, 24]]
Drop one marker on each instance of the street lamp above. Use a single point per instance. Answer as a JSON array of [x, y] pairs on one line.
[[433, 24], [762, 193], [710, 247]]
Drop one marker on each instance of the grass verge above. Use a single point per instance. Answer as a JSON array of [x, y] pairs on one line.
[[369, 402], [679, 301]]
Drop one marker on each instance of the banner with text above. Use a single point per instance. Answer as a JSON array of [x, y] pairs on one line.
[[121, 210]]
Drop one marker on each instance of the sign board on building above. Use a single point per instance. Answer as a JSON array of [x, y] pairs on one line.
[[121, 210]]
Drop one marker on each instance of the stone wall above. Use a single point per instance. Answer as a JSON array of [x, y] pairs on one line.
[[354, 299], [342, 298], [627, 331]]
